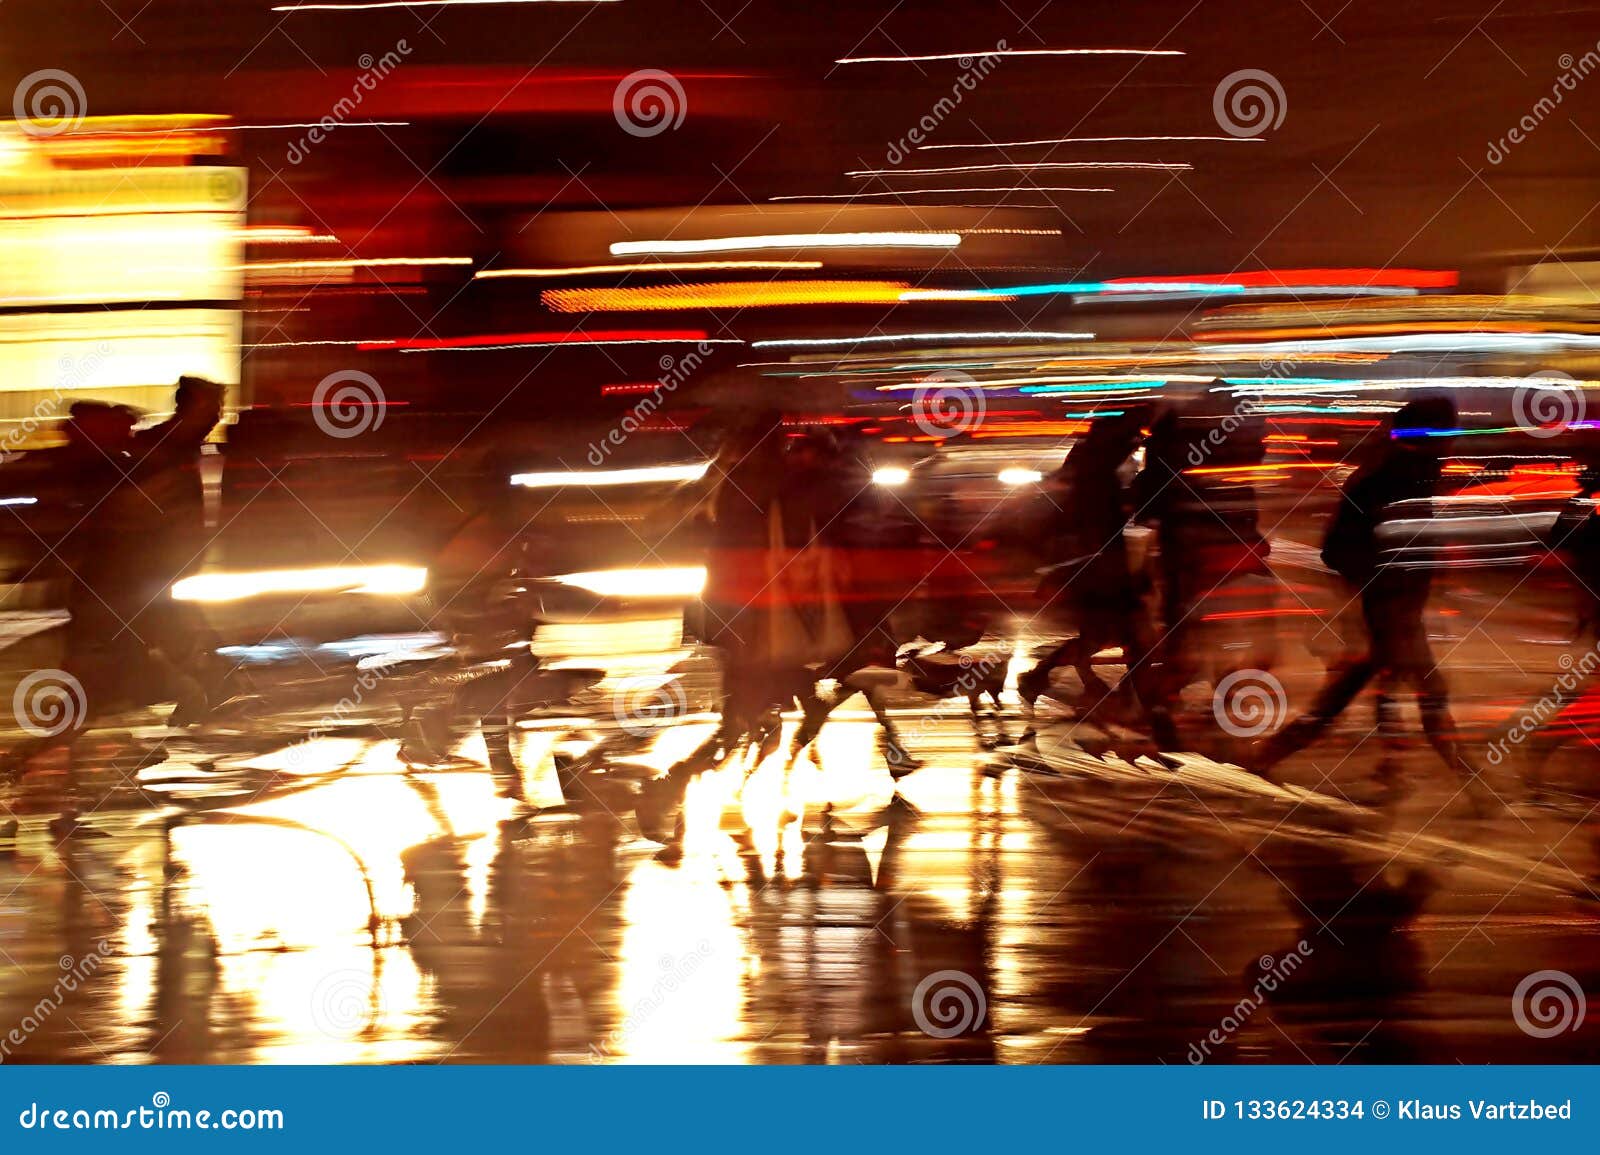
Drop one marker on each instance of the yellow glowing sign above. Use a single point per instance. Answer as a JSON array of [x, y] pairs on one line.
[[120, 235], [84, 250]]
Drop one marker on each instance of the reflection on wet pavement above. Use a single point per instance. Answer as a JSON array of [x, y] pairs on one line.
[[1059, 908]]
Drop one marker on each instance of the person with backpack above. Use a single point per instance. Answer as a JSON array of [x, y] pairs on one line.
[[1392, 594]]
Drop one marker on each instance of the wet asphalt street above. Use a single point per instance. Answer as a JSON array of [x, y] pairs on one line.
[[261, 896]]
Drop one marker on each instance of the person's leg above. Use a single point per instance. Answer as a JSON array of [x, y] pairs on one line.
[[1433, 701], [814, 711], [901, 761], [735, 715], [1146, 677], [1344, 682], [1035, 683], [1099, 629], [1360, 624]]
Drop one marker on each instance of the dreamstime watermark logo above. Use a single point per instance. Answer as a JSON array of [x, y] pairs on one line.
[[348, 403], [49, 102], [1572, 71], [674, 372], [1249, 102], [1548, 1003], [1550, 407], [1248, 703], [49, 702], [640, 703], [649, 102], [948, 1003], [373, 69], [346, 1003], [1274, 973], [1562, 693], [973, 69], [74, 972], [1248, 405], [947, 403]]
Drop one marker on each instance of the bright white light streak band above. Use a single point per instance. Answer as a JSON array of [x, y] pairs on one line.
[[653, 582], [1024, 166], [1096, 140], [894, 338], [1010, 52], [901, 240], [584, 479], [1444, 342], [953, 295], [1112, 383], [642, 267], [911, 192], [1396, 384], [391, 580]]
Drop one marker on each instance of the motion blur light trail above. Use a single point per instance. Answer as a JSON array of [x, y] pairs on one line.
[[1031, 166], [913, 192], [901, 240], [742, 295], [646, 267], [895, 338], [998, 144], [574, 337], [370, 579], [582, 478], [1010, 52], [648, 582]]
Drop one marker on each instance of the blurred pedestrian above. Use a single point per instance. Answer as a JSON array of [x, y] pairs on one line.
[[1217, 591], [1392, 590], [163, 510], [1566, 710], [1090, 575], [99, 652]]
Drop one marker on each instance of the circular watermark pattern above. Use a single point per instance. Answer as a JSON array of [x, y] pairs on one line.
[[1550, 407], [1248, 703], [1546, 1003], [161, 1100], [641, 703], [649, 102], [345, 1003], [1249, 102], [49, 702], [348, 403], [947, 403], [947, 1004], [49, 102]]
